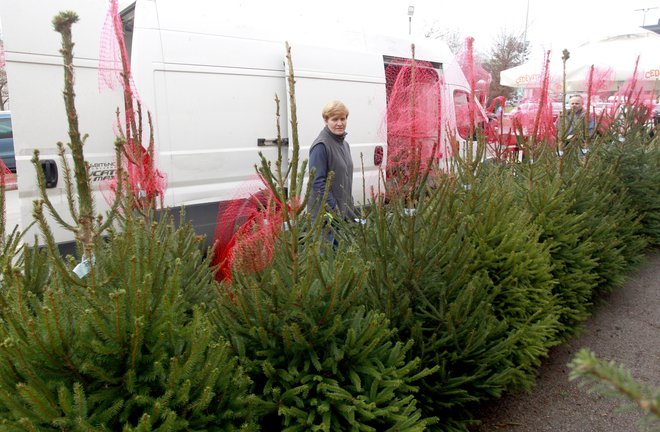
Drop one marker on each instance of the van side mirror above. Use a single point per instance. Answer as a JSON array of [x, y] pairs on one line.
[[49, 168], [378, 155]]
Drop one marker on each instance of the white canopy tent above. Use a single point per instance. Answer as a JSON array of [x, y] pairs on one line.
[[615, 56]]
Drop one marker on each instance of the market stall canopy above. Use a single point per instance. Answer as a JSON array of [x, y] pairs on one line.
[[614, 56]]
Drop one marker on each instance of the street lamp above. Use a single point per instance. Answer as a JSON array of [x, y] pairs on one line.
[[411, 11]]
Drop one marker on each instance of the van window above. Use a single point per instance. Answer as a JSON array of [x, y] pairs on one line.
[[427, 99], [128, 20], [462, 110], [393, 66], [414, 98], [5, 128]]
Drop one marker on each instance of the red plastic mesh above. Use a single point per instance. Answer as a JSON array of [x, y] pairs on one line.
[[498, 132], [478, 77], [597, 82], [247, 229], [113, 56], [147, 182], [635, 99], [469, 116], [7, 178], [497, 136], [630, 99], [413, 120], [538, 121]]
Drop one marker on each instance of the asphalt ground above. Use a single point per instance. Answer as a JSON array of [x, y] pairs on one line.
[[624, 327]]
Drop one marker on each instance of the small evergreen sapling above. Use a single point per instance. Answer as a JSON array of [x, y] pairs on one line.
[[318, 361], [613, 380]]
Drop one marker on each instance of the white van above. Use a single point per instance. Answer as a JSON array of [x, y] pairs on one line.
[[209, 82]]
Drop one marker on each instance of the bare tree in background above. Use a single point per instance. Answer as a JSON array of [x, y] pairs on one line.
[[452, 37], [508, 50], [4, 93]]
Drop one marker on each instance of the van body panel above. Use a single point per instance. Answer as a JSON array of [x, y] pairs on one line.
[[36, 78], [358, 80], [212, 98]]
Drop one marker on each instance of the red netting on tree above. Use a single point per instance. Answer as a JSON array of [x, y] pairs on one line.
[[414, 104], [471, 110], [478, 78], [633, 99], [598, 82], [247, 229], [498, 131], [534, 115], [145, 180], [7, 178]]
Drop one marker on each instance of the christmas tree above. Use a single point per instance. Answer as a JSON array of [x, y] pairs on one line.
[[119, 341]]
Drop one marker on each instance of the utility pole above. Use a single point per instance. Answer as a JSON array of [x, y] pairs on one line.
[[526, 20]]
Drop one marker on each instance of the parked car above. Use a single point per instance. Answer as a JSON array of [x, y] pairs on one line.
[[7, 141], [532, 108]]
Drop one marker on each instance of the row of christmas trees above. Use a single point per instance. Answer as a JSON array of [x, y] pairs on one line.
[[448, 295]]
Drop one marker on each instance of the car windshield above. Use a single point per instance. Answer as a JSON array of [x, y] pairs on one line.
[[5, 128]]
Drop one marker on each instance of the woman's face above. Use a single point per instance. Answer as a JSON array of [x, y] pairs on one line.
[[337, 123]]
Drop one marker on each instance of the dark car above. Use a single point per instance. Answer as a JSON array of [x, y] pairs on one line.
[[7, 141]]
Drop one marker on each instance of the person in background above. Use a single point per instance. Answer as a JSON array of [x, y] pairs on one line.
[[575, 119], [331, 153]]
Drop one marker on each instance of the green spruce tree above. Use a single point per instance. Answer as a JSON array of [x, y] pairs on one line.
[[120, 341], [317, 358], [609, 379]]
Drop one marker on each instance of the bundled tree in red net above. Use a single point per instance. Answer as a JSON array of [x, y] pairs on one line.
[[249, 225], [536, 124], [633, 104], [413, 123], [598, 81], [479, 80], [145, 181], [248, 228], [7, 178]]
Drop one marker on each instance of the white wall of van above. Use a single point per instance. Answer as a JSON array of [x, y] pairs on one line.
[[209, 82]]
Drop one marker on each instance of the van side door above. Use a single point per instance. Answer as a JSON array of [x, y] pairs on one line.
[[358, 80]]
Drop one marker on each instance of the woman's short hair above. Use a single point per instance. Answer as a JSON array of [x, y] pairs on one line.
[[334, 108]]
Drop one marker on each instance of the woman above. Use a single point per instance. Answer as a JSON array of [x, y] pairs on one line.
[[331, 153]]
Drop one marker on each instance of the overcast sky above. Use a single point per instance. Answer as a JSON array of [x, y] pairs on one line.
[[554, 24]]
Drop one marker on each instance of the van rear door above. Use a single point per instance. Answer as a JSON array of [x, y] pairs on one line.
[[35, 79], [358, 80]]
